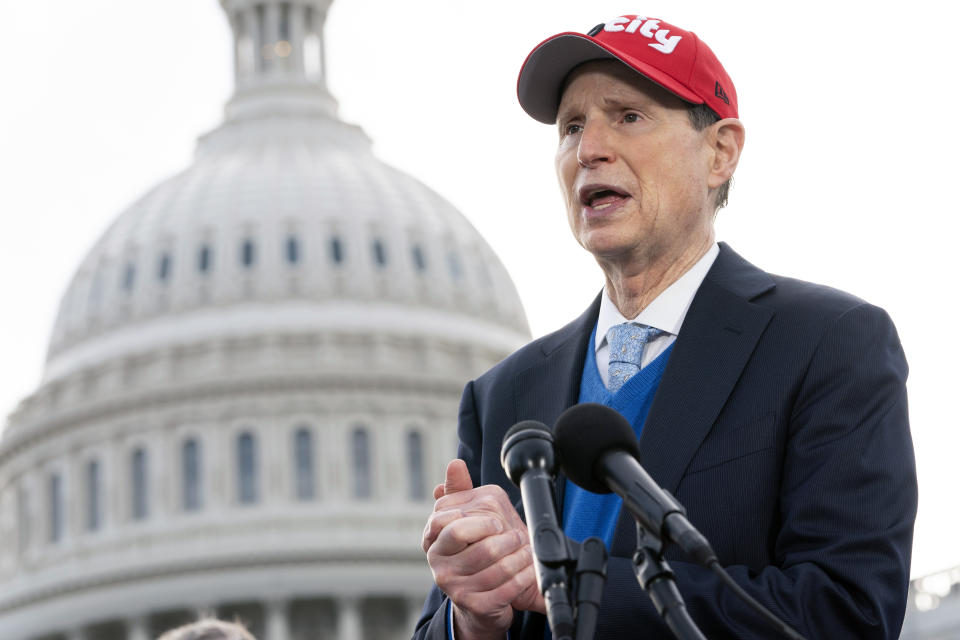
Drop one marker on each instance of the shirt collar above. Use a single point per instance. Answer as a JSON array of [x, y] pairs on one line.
[[667, 310]]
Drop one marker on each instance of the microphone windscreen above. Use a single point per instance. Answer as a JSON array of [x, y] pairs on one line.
[[583, 434], [525, 445], [527, 424]]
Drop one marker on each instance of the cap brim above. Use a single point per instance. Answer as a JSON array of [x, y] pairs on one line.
[[548, 65]]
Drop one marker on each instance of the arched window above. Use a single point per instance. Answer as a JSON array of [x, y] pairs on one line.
[[456, 270], [247, 253], [129, 276], [418, 490], [246, 468], [379, 253], [293, 250], [139, 501], [192, 487], [362, 471], [55, 498], [419, 259], [93, 495], [163, 267], [204, 259], [303, 464], [336, 250]]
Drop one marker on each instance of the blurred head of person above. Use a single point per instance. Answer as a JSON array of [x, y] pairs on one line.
[[209, 629]]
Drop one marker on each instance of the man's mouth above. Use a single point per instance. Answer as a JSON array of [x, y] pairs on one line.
[[600, 197]]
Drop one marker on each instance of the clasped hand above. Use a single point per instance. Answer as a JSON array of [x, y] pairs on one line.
[[479, 551]]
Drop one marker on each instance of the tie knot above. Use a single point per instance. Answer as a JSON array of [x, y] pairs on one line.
[[626, 350], [628, 339]]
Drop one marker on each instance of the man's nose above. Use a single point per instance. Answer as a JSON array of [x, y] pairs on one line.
[[594, 148]]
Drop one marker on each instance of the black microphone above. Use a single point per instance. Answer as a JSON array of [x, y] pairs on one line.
[[599, 452], [528, 459]]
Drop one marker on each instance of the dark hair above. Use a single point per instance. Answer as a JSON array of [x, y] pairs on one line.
[[701, 117]]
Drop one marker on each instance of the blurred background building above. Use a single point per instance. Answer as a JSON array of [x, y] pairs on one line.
[[252, 382], [933, 608]]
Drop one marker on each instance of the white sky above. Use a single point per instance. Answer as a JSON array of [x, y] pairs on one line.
[[847, 177]]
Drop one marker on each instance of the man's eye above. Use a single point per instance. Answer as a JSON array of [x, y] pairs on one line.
[[572, 129], [631, 117]]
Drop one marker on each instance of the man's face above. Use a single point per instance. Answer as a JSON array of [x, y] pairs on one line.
[[633, 170]]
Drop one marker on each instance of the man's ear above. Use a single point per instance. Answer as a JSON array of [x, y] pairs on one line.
[[726, 140]]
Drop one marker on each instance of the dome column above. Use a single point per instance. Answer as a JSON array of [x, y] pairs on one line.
[[271, 29], [204, 611], [137, 628], [278, 624], [297, 18], [348, 619]]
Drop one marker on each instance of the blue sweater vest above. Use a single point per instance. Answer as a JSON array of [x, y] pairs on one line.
[[588, 514]]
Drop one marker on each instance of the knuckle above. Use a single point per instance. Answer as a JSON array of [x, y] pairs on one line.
[[520, 581], [506, 569], [442, 575], [456, 535], [489, 502]]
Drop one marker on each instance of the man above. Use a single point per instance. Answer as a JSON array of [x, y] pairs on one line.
[[773, 409]]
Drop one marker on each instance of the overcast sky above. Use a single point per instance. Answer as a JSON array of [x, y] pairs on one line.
[[847, 177]]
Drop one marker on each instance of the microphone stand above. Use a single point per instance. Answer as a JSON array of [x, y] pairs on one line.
[[657, 579], [591, 574], [572, 618]]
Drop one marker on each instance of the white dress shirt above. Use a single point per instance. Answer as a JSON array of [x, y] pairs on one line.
[[666, 313]]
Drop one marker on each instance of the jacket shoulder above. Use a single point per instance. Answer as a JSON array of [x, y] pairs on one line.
[[535, 350]]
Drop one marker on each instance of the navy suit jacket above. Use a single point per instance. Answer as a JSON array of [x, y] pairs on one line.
[[780, 424]]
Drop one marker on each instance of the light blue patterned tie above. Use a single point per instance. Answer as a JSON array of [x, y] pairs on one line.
[[626, 351]]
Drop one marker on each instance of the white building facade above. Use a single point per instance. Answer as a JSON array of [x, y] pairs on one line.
[[252, 383]]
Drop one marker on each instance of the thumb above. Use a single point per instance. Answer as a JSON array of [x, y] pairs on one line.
[[457, 478]]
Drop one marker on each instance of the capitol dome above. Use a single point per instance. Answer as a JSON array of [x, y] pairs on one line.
[[252, 381]]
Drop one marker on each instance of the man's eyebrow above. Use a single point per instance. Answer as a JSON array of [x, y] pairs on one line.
[[562, 114], [615, 100], [623, 100]]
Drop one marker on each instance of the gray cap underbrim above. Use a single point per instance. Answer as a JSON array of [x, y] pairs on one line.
[[546, 68]]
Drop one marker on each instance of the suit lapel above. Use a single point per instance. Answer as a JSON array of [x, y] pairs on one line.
[[718, 335], [552, 383]]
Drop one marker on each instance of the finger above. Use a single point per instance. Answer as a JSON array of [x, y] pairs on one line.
[[456, 536], [486, 499], [500, 560], [435, 523], [488, 602], [457, 478], [530, 599], [438, 491]]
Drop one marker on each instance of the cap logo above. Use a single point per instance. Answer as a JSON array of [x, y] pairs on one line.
[[720, 93], [646, 28]]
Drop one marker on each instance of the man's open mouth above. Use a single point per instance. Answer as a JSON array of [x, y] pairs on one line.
[[599, 197]]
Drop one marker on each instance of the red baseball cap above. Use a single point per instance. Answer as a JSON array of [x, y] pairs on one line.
[[675, 59]]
